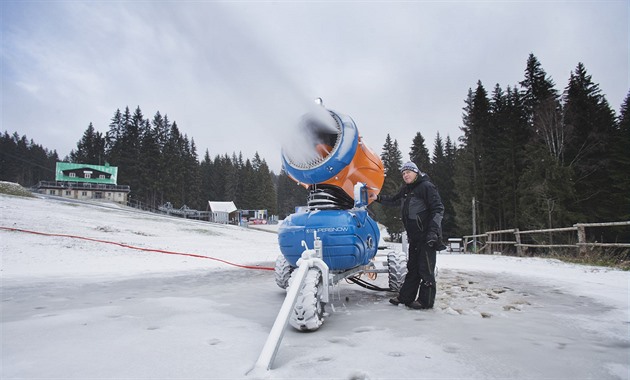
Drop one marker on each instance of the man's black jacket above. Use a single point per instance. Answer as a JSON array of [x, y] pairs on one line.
[[421, 207]]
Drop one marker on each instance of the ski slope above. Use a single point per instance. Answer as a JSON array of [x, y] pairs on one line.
[[157, 297]]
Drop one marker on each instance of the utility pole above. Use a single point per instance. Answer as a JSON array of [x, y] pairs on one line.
[[474, 226]]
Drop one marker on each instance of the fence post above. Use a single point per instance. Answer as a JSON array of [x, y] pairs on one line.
[[581, 231], [489, 244], [517, 237]]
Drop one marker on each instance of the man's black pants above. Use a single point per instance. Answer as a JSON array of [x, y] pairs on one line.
[[420, 279]]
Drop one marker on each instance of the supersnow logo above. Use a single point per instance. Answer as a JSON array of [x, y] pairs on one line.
[[328, 229]]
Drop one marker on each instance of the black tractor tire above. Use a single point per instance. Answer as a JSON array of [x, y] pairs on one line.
[[397, 263], [282, 272]]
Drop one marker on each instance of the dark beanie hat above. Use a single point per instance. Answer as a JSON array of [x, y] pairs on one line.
[[410, 166]]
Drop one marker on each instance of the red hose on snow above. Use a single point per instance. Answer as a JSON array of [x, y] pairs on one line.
[[137, 248]]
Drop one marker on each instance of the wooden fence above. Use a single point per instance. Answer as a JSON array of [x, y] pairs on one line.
[[496, 240]]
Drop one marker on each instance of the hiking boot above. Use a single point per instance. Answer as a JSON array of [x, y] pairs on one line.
[[416, 305], [394, 301]]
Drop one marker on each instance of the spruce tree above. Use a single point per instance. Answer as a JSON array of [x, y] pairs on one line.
[[150, 164], [543, 203], [290, 195], [443, 169], [620, 163], [419, 154], [392, 162], [590, 123], [464, 177], [90, 149], [265, 196]]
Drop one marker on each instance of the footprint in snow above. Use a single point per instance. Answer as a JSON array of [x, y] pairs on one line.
[[342, 340], [362, 329]]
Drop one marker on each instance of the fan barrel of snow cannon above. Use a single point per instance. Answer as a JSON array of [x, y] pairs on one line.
[[332, 153]]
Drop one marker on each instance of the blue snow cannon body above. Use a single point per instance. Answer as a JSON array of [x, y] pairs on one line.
[[349, 237]]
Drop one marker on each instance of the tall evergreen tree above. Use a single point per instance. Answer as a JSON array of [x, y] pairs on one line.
[[443, 169], [517, 135], [290, 195], [265, 197], [150, 164], [90, 149], [590, 123], [545, 153], [620, 159], [419, 154], [392, 162], [464, 177], [448, 190], [206, 169], [474, 171], [248, 191]]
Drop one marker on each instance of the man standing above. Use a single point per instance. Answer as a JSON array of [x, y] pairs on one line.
[[422, 212]]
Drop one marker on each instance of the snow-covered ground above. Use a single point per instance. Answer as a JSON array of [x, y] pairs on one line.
[[104, 309]]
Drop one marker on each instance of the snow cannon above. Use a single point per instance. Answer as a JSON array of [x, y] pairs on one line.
[[328, 151], [331, 238], [329, 158]]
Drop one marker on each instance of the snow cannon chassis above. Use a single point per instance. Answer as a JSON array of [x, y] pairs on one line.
[[345, 243]]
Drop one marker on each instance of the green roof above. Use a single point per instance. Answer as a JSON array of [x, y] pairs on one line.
[[72, 172]]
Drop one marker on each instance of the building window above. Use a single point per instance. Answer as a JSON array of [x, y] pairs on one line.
[[72, 175], [102, 176], [84, 193], [68, 193], [52, 192]]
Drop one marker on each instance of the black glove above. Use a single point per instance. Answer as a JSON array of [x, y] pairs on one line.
[[432, 239]]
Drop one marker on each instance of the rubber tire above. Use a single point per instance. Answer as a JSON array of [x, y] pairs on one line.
[[308, 312], [397, 263], [283, 272]]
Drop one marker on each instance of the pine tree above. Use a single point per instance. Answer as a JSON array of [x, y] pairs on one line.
[[150, 164], [290, 195], [248, 190], [265, 197], [419, 154], [392, 162], [448, 191], [192, 191], [464, 178], [590, 123], [471, 178], [442, 167], [620, 162], [113, 136], [543, 203], [206, 190], [232, 184], [90, 149]]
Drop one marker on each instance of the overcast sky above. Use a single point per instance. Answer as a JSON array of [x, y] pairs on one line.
[[236, 76]]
